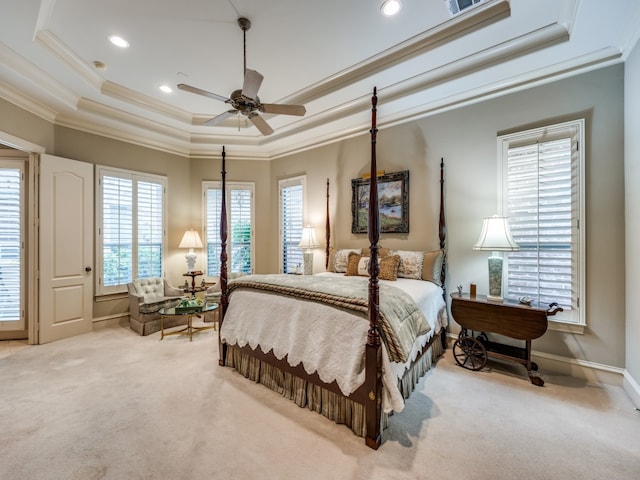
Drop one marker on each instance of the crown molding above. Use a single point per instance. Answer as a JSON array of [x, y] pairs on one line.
[[33, 75], [49, 41], [483, 15], [27, 103], [132, 97], [179, 132]]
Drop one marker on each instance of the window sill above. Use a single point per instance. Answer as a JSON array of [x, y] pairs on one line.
[[566, 327], [110, 296]]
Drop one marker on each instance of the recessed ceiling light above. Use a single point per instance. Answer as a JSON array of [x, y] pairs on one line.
[[119, 41], [166, 88], [390, 7]]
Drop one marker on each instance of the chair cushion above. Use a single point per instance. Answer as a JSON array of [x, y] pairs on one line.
[[150, 289]]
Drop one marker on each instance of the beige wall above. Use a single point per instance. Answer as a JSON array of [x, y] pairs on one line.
[[632, 207], [466, 138], [25, 125]]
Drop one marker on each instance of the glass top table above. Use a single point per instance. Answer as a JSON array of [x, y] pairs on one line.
[[188, 314]]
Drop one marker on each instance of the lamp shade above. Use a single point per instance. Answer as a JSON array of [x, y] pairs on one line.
[[309, 239], [190, 239], [496, 236]]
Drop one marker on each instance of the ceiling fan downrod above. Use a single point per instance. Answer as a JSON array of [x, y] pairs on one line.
[[245, 24]]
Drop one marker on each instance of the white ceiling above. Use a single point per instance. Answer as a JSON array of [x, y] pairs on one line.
[[327, 55]]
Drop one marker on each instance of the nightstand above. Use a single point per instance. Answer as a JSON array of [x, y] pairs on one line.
[[510, 319]]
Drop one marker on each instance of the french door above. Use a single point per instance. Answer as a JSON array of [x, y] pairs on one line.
[[12, 245]]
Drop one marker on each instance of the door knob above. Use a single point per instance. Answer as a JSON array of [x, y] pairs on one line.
[[87, 269]]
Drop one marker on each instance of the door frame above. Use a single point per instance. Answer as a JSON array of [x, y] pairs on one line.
[[31, 249]]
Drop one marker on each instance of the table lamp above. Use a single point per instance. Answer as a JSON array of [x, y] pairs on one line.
[[495, 237], [190, 240], [308, 243]]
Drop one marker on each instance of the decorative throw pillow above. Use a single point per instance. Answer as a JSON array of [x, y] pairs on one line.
[[389, 267], [432, 266], [359, 265], [363, 266], [352, 264], [341, 258], [410, 264]]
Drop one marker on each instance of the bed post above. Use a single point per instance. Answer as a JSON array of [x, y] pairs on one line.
[[328, 232], [224, 301], [442, 233], [373, 350]]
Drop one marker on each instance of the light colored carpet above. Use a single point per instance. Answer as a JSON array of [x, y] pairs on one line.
[[111, 404]]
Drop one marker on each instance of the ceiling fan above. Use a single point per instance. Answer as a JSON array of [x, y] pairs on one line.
[[246, 101]]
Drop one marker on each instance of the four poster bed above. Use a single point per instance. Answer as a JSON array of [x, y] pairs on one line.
[[306, 336]]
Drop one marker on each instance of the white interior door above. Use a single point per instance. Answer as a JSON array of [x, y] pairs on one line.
[[65, 248]]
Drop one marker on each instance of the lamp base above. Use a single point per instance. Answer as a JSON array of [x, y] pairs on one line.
[[308, 263], [495, 277], [191, 260]]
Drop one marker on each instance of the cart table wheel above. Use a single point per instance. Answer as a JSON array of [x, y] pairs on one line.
[[534, 366], [470, 353]]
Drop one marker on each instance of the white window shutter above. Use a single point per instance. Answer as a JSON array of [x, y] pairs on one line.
[[292, 218], [543, 205], [10, 244], [240, 231]]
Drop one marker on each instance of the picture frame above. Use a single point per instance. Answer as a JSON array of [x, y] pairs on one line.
[[393, 201]]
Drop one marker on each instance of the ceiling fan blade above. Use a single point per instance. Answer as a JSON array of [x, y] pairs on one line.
[[260, 124], [283, 109], [251, 85], [199, 91], [220, 118]]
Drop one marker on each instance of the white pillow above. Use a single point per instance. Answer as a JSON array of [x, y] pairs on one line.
[[341, 258], [410, 264]]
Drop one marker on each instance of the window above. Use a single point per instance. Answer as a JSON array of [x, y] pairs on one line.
[[131, 228], [11, 244], [291, 222], [240, 228], [542, 194]]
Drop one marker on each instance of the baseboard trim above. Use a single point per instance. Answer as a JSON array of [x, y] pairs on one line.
[[115, 319], [632, 388], [590, 371]]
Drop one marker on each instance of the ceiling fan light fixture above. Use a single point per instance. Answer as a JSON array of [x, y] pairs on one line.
[[166, 88], [390, 7]]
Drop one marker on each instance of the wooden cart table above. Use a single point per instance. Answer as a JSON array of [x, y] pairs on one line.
[[507, 318]]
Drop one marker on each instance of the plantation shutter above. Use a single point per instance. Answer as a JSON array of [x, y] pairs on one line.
[[150, 229], [10, 244], [213, 202], [291, 214], [240, 230], [131, 228], [542, 206], [117, 230]]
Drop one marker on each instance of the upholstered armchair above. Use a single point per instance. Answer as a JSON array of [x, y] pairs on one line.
[[146, 297]]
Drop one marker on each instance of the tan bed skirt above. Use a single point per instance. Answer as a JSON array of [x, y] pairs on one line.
[[329, 404]]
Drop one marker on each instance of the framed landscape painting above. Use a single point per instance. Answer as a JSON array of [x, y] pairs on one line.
[[393, 201]]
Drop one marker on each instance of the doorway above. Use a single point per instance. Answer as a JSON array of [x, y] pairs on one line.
[[14, 196]]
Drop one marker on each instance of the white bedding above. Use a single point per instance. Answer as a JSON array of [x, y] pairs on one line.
[[325, 339]]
